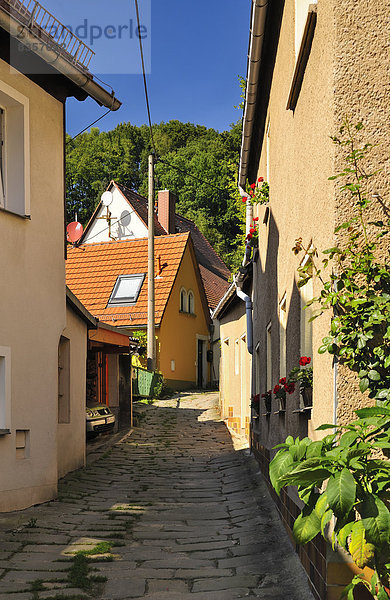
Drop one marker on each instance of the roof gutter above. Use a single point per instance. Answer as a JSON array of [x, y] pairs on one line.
[[258, 17], [77, 76]]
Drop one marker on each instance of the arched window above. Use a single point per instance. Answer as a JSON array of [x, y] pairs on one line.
[[183, 300], [191, 302]]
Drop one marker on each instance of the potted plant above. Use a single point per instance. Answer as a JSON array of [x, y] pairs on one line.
[[281, 390], [267, 400], [304, 376], [255, 404]]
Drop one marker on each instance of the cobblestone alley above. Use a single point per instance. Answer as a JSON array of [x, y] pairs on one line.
[[175, 510]]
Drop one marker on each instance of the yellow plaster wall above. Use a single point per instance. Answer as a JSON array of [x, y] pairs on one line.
[[32, 305], [178, 331], [71, 436]]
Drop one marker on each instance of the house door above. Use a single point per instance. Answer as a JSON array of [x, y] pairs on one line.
[[200, 363]]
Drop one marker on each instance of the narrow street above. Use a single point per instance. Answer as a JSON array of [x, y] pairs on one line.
[[175, 510]]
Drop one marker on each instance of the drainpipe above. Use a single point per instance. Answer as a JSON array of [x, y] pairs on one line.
[[238, 280]]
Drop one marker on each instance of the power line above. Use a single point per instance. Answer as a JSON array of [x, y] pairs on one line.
[[144, 78], [88, 126]]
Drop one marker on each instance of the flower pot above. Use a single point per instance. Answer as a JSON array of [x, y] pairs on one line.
[[307, 396], [282, 402], [268, 404]]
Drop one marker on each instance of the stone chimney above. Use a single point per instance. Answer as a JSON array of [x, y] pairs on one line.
[[166, 208]]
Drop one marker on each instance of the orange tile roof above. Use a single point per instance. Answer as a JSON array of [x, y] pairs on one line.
[[92, 270]]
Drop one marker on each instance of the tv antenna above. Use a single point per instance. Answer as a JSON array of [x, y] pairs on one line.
[[107, 198]]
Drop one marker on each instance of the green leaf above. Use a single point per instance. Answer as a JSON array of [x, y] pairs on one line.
[[341, 492], [376, 520], [374, 375], [325, 426], [364, 383], [321, 505], [344, 533], [306, 527], [327, 516], [361, 551], [279, 465], [372, 411]]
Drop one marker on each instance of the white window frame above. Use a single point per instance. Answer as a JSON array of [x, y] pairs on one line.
[[301, 12], [283, 336], [191, 306], [16, 151], [5, 389], [130, 300]]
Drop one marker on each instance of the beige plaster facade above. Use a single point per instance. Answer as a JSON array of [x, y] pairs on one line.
[[32, 302], [72, 365], [235, 367], [345, 74]]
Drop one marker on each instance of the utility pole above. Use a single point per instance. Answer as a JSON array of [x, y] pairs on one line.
[[151, 309]]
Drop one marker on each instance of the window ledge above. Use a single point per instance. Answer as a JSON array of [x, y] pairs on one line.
[[303, 57], [305, 410], [5, 432], [184, 312], [11, 212]]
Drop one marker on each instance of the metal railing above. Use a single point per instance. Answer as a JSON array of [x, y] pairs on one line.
[[43, 24]]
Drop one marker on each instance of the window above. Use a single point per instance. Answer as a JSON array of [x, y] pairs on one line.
[[237, 357], [257, 368], [183, 300], [191, 302], [126, 289], [5, 390], [14, 151], [269, 356], [64, 380], [282, 336]]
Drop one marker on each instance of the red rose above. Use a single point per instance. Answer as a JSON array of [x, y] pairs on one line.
[[276, 388], [252, 230], [304, 360], [260, 179], [290, 388], [249, 236], [253, 185], [244, 198], [282, 381]]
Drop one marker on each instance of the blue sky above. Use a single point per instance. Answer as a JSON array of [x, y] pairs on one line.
[[197, 50]]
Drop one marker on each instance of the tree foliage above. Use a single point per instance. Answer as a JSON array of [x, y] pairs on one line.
[[198, 164]]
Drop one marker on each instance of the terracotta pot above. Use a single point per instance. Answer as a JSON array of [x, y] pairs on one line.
[[307, 396]]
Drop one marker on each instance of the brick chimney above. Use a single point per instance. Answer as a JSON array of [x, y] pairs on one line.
[[166, 208]]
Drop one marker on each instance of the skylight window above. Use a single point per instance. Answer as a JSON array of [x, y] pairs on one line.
[[126, 289]]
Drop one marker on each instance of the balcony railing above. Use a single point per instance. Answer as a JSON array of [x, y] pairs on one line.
[[50, 30]]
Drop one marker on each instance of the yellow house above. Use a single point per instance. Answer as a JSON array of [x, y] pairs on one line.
[[32, 267], [110, 280]]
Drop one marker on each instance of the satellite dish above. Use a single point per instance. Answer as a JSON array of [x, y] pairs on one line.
[[74, 231], [125, 218], [106, 198]]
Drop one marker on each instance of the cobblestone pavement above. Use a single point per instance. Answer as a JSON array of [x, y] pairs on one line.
[[176, 510]]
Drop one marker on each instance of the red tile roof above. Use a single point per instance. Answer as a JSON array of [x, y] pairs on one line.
[[92, 270], [215, 287]]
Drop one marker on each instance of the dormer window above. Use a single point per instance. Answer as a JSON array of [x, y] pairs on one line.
[[126, 290]]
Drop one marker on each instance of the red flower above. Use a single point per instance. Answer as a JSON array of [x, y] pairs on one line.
[[251, 193], [249, 236], [252, 230], [244, 198], [290, 388], [283, 380], [304, 360], [260, 179], [255, 218], [276, 388], [253, 185]]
